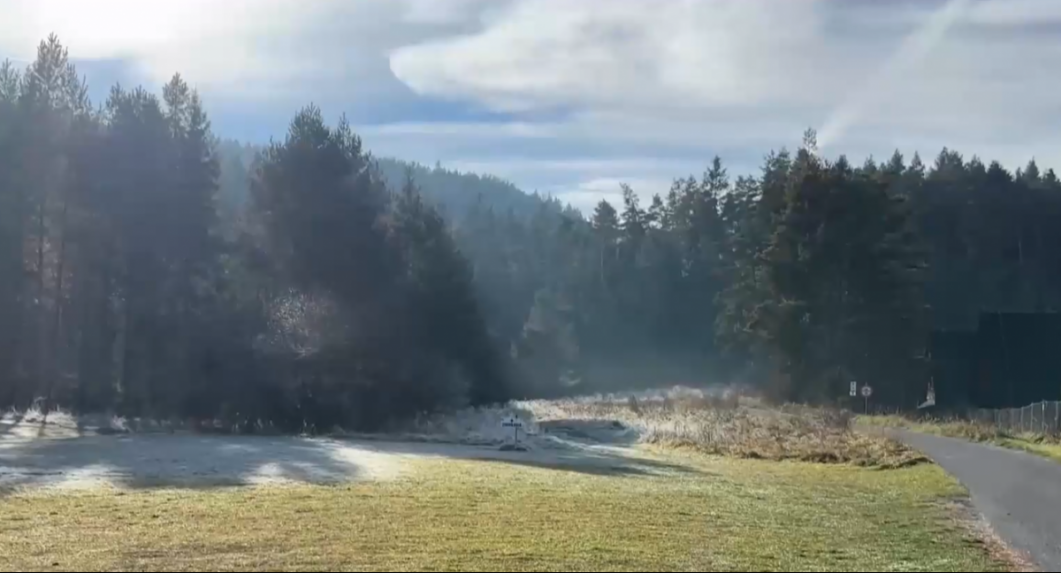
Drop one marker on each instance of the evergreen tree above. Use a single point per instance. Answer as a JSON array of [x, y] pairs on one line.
[[136, 276], [838, 281], [13, 206], [442, 302]]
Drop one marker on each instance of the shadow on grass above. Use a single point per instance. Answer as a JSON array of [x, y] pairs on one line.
[[10, 422], [196, 461], [178, 461], [560, 455], [617, 466], [608, 432]]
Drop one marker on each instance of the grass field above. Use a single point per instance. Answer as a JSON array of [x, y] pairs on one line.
[[704, 513], [1038, 444]]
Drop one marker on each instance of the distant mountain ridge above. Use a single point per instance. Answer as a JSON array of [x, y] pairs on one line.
[[454, 192]]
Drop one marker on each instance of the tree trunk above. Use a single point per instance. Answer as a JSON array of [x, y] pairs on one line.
[[40, 319], [53, 369]]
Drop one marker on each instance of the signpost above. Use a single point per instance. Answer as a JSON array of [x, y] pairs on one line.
[[516, 424], [867, 391], [854, 389]]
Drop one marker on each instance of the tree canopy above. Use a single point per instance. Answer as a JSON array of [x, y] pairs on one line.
[[149, 268]]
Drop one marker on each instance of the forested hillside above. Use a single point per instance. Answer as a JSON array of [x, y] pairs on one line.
[[452, 192], [149, 268]]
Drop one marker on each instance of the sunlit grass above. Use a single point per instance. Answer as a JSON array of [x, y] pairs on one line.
[[447, 514], [1034, 445]]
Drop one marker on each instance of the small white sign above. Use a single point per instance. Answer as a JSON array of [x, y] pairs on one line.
[[867, 391], [854, 389], [512, 422]]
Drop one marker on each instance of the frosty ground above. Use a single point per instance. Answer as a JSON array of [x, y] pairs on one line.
[[594, 492]]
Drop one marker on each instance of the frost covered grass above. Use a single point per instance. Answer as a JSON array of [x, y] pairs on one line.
[[727, 423], [720, 421], [717, 422], [561, 511], [36, 422], [469, 426]]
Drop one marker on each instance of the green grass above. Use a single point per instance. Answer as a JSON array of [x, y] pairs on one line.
[[1033, 445], [448, 514], [1045, 446]]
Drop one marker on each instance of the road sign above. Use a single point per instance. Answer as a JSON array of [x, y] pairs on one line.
[[854, 389], [867, 391], [516, 424]]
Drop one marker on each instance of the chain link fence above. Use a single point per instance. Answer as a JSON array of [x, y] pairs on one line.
[[1040, 418]]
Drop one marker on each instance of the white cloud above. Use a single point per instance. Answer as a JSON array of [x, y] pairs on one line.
[[596, 91], [593, 166], [587, 194], [447, 11], [209, 40], [1015, 12], [247, 49], [518, 129], [964, 73], [618, 52]]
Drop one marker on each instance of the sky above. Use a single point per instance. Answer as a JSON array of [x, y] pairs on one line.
[[574, 97]]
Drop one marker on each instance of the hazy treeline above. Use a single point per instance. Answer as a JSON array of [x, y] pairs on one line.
[[149, 268], [806, 276], [127, 284]]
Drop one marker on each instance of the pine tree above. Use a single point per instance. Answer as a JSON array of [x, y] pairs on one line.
[[443, 308], [13, 205], [549, 350], [51, 100], [838, 274], [316, 190]]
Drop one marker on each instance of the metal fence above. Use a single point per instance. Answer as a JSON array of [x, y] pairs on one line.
[[1040, 418]]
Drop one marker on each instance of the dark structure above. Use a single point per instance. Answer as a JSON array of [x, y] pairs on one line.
[[950, 363], [1010, 360]]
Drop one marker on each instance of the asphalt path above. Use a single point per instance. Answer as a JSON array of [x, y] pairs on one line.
[[1018, 493]]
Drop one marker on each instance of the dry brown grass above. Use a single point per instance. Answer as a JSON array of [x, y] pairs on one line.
[[1039, 444], [955, 428], [730, 425]]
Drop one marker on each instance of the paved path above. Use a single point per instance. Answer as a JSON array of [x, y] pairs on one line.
[[1018, 493]]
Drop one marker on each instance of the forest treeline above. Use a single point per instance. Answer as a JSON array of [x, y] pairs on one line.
[[150, 269]]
